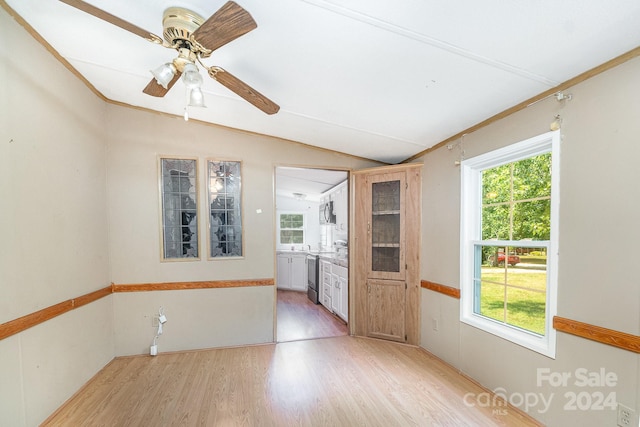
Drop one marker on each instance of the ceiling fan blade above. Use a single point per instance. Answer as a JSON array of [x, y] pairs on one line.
[[112, 19], [243, 90], [154, 89], [227, 24]]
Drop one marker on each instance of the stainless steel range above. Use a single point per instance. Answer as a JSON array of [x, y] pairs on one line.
[[312, 278]]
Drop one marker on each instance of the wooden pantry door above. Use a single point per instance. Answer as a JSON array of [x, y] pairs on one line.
[[386, 252]]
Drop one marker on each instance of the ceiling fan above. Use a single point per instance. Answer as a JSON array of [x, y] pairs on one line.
[[194, 38]]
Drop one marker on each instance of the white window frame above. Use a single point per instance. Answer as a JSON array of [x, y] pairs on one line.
[[304, 227], [471, 235]]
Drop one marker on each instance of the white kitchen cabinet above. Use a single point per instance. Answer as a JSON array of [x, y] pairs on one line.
[[341, 208], [340, 198], [335, 292], [340, 296], [326, 284], [334, 288], [292, 271], [344, 298]]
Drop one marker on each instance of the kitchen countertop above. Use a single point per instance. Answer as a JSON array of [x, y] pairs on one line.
[[330, 256], [335, 259]]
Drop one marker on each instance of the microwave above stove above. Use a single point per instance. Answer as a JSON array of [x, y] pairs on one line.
[[327, 215]]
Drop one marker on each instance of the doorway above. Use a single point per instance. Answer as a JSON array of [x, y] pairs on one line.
[[300, 319], [311, 227]]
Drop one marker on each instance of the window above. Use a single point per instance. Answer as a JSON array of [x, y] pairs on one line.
[[509, 223], [292, 228], [225, 213], [179, 207]]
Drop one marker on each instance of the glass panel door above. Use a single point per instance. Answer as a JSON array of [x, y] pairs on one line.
[[386, 226]]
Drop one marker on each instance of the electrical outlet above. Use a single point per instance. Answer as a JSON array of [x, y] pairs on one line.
[[434, 324], [154, 321], [625, 416]]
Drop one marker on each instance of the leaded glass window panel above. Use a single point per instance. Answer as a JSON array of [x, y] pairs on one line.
[[179, 208], [224, 189]]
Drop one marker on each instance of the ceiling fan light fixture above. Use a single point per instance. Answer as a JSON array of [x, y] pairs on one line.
[[164, 74], [196, 98], [194, 37], [191, 76]]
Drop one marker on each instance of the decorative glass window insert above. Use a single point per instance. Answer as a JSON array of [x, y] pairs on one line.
[[179, 207], [385, 226], [225, 210], [292, 228], [509, 242]]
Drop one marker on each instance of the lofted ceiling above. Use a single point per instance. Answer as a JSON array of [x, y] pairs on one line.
[[376, 79]]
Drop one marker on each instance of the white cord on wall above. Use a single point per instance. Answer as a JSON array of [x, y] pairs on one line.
[[153, 350]]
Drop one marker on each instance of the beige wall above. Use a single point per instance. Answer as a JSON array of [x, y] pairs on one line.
[[203, 318], [208, 318], [599, 211], [53, 225], [78, 181]]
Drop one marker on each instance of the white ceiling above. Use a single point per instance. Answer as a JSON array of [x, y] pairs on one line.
[[311, 183], [377, 79]]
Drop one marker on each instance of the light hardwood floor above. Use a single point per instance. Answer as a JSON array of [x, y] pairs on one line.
[[341, 381], [298, 318]]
